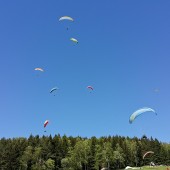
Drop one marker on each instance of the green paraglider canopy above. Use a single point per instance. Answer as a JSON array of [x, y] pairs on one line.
[[74, 40]]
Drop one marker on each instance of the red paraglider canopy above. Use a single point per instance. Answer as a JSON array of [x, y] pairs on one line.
[[90, 87], [45, 123]]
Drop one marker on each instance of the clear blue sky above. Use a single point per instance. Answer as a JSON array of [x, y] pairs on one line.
[[123, 52]]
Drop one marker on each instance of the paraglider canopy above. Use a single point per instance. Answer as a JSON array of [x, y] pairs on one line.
[[90, 87], [149, 152], [46, 123], [53, 89], [66, 18], [74, 40], [139, 112], [39, 69]]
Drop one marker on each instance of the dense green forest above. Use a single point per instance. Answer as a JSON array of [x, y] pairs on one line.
[[77, 153]]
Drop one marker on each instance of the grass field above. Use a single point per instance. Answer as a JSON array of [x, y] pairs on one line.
[[151, 168], [155, 167]]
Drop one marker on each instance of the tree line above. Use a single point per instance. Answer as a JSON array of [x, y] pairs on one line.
[[77, 153]]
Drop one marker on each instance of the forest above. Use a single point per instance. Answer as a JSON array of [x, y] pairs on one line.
[[78, 153]]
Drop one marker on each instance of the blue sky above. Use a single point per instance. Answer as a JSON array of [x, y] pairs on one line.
[[123, 52]]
